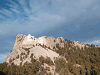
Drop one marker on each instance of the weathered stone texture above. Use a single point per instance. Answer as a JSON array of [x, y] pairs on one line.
[[29, 42]]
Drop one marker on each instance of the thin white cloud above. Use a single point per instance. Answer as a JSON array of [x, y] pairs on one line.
[[6, 12], [96, 42], [2, 17], [24, 5], [3, 56], [13, 4], [95, 7], [0, 32], [41, 14], [14, 10]]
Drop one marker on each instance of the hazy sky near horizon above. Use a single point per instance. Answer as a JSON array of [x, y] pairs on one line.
[[77, 20]]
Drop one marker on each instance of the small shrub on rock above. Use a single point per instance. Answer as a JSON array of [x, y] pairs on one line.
[[31, 55], [57, 45], [49, 61], [10, 60], [28, 52], [20, 58], [47, 68], [17, 56], [26, 56], [42, 60]]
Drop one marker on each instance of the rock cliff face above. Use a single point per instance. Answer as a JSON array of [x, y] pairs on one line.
[[26, 45], [49, 42], [16, 48]]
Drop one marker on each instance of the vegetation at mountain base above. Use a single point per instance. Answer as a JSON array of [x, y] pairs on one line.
[[46, 60], [80, 62], [34, 68], [88, 59]]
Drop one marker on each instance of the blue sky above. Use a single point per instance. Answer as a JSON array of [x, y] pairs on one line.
[[77, 20]]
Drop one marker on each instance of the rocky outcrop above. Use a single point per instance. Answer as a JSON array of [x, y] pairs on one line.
[[60, 40], [24, 43], [16, 48], [79, 44], [27, 47], [51, 41], [19, 40]]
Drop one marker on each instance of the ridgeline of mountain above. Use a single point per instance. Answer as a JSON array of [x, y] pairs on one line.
[[50, 56]]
